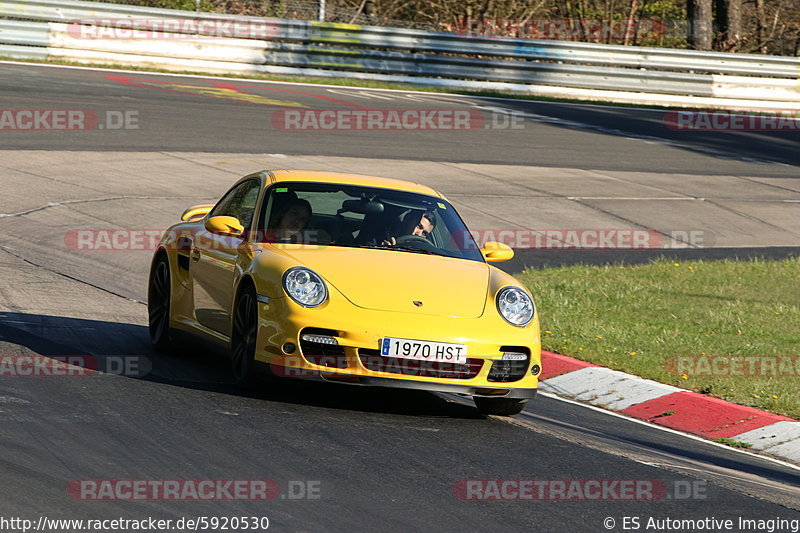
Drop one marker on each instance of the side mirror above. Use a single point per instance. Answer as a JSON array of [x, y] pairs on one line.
[[225, 226], [196, 212], [496, 251]]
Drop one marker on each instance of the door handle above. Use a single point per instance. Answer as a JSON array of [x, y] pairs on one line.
[[195, 254]]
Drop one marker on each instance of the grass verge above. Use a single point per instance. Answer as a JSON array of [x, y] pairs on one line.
[[715, 327], [733, 443]]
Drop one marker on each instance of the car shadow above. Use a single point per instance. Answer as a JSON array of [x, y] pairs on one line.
[[124, 349]]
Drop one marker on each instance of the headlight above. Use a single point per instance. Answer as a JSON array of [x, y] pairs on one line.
[[515, 306], [305, 287]]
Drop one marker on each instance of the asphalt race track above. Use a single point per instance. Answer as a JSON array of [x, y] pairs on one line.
[[348, 458]]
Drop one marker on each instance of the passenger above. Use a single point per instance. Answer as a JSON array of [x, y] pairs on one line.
[[293, 218]]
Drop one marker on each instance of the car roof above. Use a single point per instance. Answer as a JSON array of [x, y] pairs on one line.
[[322, 176]]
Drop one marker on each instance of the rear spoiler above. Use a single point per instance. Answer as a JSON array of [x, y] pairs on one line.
[[196, 212]]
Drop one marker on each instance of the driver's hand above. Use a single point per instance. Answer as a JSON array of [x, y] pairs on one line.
[[391, 241]]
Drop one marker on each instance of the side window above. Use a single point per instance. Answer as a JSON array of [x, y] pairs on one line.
[[239, 202]]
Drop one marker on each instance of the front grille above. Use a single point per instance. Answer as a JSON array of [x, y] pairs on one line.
[[330, 355], [507, 371], [373, 360]]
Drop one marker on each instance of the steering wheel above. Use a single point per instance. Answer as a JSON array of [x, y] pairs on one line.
[[415, 241]]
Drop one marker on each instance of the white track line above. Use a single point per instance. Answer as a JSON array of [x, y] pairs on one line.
[[669, 430], [650, 425]]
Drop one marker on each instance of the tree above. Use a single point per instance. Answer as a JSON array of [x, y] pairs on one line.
[[729, 17], [629, 25], [761, 27], [700, 23]]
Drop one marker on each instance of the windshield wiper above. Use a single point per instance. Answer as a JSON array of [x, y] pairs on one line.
[[371, 246], [412, 249], [396, 247]]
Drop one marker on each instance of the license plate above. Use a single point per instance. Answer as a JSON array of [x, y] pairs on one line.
[[442, 352]]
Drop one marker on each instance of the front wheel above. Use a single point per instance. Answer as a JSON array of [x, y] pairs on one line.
[[243, 339], [158, 305], [500, 406]]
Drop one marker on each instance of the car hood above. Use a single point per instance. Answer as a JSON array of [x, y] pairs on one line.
[[389, 280]]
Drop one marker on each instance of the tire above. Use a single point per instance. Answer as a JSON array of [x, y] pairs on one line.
[[159, 295], [243, 338], [500, 406]]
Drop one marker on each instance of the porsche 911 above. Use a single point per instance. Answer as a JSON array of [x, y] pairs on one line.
[[349, 279]]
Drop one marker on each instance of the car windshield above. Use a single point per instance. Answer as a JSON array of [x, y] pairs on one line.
[[332, 214]]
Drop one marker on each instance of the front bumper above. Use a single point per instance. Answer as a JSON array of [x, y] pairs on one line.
[[485, 392], [358, 333]]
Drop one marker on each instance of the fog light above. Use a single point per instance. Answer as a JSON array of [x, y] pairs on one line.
[[320, 339], [535, 369], [289, 347]]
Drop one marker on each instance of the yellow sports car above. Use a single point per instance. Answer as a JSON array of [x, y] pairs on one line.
[[348, 278]]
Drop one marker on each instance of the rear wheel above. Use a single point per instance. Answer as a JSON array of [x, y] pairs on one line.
[[500, 406], [158, 305], [243, 338]]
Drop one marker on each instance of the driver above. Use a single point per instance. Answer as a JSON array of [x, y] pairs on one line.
[[419, 223]]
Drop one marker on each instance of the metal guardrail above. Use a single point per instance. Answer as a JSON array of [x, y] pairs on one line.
[[347, 48], [24, 33]]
